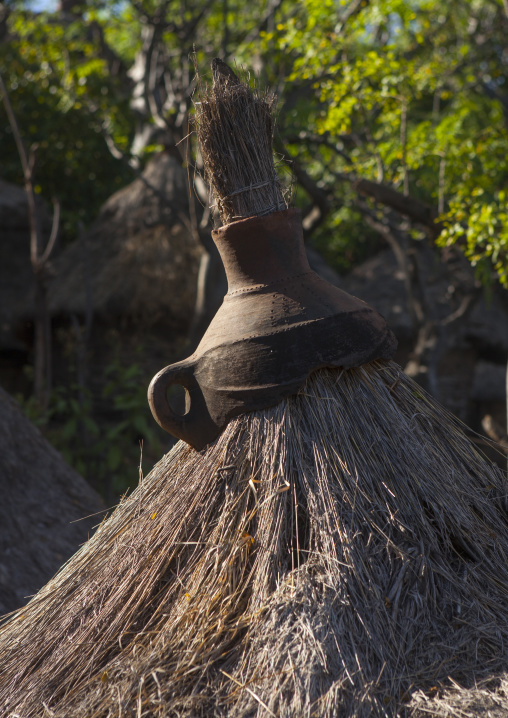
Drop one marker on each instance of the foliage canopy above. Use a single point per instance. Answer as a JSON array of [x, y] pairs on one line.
[[408, 93]]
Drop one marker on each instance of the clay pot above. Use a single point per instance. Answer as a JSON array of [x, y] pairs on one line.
[[278, 322]]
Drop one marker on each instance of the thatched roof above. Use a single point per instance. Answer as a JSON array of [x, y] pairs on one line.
[[340, 554], [40, 497], [379, 282], [139, 258]]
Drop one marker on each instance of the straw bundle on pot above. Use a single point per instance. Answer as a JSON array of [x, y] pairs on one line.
[[340, 553], [235, 129]]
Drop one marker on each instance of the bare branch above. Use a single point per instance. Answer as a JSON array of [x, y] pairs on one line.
[[188, 30], [463, 310], [132, 161], [273, 5], [14, 126], [495, 431], [150, 40], [323, 140], [441, 198], [42, 369], [115, 63], [403, 143], [54, 233], [396, 243], [355, 7], [152, 93], [135, 167], [27, 163], [321, 203], [410, 207], [156, 18]]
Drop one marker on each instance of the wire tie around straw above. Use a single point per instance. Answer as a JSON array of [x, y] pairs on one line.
[[258, 185], [268, 210]]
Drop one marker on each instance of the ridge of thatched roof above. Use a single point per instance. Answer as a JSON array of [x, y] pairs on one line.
[[43, 500], [139, 259]]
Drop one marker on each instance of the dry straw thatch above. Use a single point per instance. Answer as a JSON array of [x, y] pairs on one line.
[[343, 553], [235, 125], [328, 556], [42, 502]]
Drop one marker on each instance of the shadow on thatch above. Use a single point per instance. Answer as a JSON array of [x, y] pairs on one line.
[[40, 496]]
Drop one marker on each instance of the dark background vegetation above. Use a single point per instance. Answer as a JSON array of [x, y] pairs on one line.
[[392, 124]]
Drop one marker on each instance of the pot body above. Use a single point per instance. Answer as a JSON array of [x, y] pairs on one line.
[[279, 321]]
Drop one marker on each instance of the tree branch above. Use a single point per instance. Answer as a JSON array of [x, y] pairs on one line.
[[323, 140], [42, 369], [495, 431], [355, 7], [321, 204], [54, 233], [263, 23], [396, 243], [410, 207], [403, 143], [465, 308]]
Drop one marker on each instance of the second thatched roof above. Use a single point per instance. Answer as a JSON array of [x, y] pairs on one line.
[[42, 502], [139, 260]]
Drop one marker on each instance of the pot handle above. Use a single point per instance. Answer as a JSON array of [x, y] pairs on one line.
[[193, 426]]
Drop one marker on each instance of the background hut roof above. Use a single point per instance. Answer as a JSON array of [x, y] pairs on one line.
[[139, 259], [40, 497], [380, 283]]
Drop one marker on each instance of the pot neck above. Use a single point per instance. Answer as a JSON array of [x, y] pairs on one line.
[[262, 250]]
